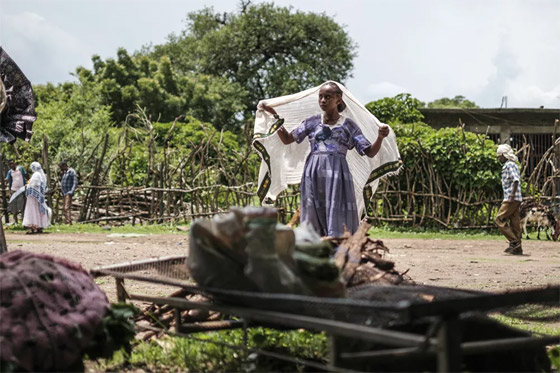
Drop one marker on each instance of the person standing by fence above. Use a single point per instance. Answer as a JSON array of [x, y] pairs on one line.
[[508, 218], [68, 183], [36, 215], [16, 179]]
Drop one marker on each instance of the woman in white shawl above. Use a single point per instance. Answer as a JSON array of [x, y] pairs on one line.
[[35, 216]]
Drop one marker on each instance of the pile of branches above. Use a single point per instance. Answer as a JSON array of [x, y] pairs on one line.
[[361, 260], [155, 317]]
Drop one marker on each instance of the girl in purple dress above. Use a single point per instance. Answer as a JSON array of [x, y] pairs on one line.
[[328, 201]]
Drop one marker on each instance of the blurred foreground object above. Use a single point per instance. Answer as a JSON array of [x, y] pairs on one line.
[[52, 313], [248, 250], [17, 105], [17, 112]]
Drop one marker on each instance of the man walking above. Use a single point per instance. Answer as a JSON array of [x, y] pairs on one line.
[[508, 219], [69, 183], [16, 179]]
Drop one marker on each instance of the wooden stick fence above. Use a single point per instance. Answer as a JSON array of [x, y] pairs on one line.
[[209, 179]]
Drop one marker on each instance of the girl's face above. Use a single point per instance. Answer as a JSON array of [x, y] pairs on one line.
[[328, 98]]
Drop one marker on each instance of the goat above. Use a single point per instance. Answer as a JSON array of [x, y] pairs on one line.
[[543, 216]]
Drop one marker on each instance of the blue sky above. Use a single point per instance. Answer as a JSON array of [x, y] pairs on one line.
[[430, 48]]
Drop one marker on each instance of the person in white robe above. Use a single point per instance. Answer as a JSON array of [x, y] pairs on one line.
[[35, 216]]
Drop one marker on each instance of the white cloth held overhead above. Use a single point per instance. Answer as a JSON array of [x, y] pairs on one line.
[[282, 165]]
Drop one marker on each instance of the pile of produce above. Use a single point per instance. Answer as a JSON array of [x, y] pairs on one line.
[[52, 313]]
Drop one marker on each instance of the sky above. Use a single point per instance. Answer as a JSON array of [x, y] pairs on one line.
[[481, 49]]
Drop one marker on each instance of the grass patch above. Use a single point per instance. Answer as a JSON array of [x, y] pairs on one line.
[[207, 353], [106, 229], [539, 328], [537, 312], [431, 234], [375, 232], [535, 318]]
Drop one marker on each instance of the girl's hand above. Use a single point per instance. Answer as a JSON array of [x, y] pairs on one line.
[[384, 131], [267, 108]]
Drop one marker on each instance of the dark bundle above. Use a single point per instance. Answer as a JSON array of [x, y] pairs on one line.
[[51, 313], [17, 105]]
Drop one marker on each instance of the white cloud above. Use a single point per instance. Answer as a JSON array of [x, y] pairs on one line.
[[385, 89], [41, 48], [533, 96], [506, 70], [480, 49]]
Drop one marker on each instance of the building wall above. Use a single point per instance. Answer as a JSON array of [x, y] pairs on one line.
[[501, 122]]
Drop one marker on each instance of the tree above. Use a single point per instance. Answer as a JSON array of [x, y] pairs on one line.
[[455, 102], [402, 108], [155, 85], [268, 50], [74, 118]]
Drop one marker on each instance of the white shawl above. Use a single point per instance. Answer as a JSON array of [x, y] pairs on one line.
[[282, 165]]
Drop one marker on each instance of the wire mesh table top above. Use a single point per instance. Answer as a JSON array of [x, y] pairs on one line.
[[368, 304]]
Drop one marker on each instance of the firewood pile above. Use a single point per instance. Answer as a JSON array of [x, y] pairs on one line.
[[163, 316], [360, 260]]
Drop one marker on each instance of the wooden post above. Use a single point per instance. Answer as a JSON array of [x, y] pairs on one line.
[[94, 192], [556, 161], [334, 353], [46, 168], [178, 320], [3, 186], [3, 245], [449, 345], [121, 292]]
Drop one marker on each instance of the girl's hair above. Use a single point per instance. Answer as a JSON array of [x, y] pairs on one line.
[[338, 91]]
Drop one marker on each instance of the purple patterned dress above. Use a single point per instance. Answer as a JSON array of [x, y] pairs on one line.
[[327, 190]]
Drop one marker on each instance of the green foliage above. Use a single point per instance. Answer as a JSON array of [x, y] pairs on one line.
[[115, 332], [463, 159], [450, 103], [73, 118], [155, 86], [554, 356], [177, 144], [402, 108], [221, 65], [203, 355], [451, 162], [266, 49]]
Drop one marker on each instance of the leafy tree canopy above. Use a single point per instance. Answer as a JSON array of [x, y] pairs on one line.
[[74, 119], [128, 82], [402, 108], [268, 50], [455, 102]]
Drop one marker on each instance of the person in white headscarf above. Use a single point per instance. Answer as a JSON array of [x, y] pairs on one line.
[[35, 216], [508, 219]]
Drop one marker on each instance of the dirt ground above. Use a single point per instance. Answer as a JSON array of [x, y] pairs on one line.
[[470, 264]]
